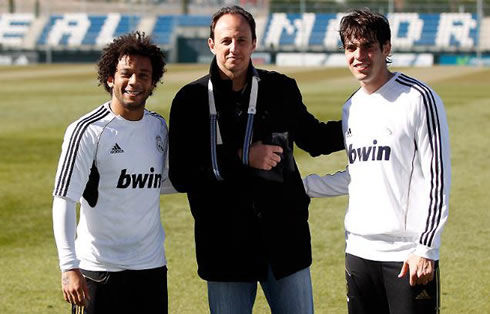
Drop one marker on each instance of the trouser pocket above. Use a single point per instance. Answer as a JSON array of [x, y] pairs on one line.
[[100, 277]]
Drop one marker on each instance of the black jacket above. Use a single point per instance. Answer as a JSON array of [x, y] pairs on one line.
[[245, 222]]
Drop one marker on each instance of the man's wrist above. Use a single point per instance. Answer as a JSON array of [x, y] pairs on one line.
[[427, 252]]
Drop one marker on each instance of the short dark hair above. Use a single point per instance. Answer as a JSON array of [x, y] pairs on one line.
[[232, 10], [365, 24], [130, 44]]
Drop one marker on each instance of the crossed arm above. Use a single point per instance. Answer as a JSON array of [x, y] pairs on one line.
[[263, 156]]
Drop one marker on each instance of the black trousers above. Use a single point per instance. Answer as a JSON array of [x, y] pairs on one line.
[[374, 288], [129, 291]]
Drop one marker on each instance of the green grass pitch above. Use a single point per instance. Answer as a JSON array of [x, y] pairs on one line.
[[38, 102]]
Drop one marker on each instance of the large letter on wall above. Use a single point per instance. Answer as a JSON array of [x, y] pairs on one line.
[[289, 30], [71, 27], [332, 37], [106, 35], [13, 28], [278, 23], [406, 29], [457, 30], [304, 27]]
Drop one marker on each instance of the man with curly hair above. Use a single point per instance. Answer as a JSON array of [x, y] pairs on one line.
[[113, 163]]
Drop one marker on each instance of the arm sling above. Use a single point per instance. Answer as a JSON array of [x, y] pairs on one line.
[[216, 138]]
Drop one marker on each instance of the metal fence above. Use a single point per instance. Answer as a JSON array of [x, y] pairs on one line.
[[382, 6], [258, 7], [73, 38]]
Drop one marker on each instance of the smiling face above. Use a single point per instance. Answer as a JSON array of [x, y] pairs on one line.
[[367, 62], [131, 85], [233, 45]]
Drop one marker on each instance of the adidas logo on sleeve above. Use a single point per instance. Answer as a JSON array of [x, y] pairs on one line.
[[116, 149]]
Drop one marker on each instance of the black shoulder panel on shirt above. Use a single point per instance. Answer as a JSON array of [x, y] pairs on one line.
[[91, 192]]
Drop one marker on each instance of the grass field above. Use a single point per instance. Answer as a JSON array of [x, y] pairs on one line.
[[38, 102]]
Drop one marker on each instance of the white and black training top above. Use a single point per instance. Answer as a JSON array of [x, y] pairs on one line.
[[114, 168], [398, 175]]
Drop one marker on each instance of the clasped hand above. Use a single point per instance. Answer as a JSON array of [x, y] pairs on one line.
[[263, 156]]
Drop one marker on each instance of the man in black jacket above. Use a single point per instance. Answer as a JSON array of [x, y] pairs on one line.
[[246, 195]]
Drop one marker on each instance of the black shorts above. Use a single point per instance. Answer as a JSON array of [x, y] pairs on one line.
[[374, 288], [128, 291]]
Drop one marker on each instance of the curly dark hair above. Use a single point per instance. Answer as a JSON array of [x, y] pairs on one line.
[[134, 43]]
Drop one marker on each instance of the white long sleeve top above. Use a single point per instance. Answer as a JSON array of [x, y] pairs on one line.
[[398, 174], [116, 169]]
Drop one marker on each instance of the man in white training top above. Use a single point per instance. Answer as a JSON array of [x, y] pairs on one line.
[[398, 178], [113, 163]]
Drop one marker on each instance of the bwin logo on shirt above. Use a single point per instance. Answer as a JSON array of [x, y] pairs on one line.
[[139, 180], [369, 153]]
